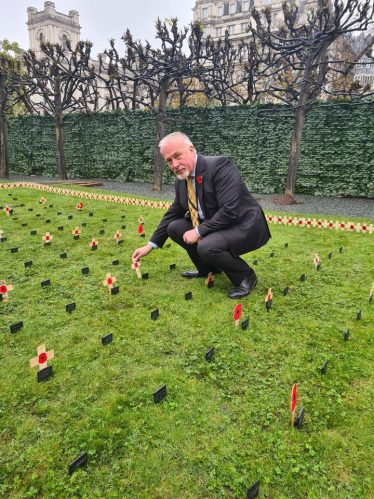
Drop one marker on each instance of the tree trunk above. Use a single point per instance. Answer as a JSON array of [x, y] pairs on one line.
[[60, 149], [4, 165], [160, 132], [59, 135], [295, 152], [297, 134]]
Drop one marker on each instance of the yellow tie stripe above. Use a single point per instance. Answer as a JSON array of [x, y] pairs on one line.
[[192, 203]]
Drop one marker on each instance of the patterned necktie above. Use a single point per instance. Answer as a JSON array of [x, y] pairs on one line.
[[192, 203]]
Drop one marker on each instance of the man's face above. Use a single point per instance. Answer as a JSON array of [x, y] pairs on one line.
[[179, 157]]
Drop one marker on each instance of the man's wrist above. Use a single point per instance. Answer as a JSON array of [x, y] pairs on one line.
[[154, 246]]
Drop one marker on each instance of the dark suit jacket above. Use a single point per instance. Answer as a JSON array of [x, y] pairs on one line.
[[227, 205]]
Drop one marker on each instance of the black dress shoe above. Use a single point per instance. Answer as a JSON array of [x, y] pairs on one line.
[[245, 287], [189, 274]]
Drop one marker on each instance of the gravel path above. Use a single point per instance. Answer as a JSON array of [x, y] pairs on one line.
[[337, 206]]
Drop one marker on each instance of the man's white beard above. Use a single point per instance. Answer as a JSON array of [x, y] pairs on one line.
[[183, 175]]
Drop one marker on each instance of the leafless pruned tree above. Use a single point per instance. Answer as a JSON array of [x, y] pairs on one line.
[[300, 64]]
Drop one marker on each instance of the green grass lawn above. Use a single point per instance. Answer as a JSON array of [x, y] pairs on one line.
[[224, 424]]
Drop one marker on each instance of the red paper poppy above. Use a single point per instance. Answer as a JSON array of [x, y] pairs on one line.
[[330, 224], [199, 179], [47, 238], [279, 219], [351, 227], [309, 222], [290, 221], [364, 227], [136, 265], [76, 232], [342, 226], [237, 312], [3, 289], [42, 358], [140, 229], [7, 208], [270, 219], [320, 223], [300, 222], [293, 398], [110, 281]]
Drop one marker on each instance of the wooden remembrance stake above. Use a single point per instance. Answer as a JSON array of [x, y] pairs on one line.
[[7, 210], [268, 299], [93, 244], [109, 281], [316, 261], [210, 281], [293, 404], [237, 314], [47, 238], [135, 266], [4, 291], [371, 293], [117, 236], [76, 232], [42, 357]]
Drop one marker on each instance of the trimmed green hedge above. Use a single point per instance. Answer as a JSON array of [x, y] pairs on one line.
[[337, 155]]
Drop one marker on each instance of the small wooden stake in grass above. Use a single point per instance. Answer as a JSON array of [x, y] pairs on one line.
[[237, 314], [93, 244], [42, 201], [268, 300], [210, 281], [7, 210], [117, 236], [316, 261], [42, 357], [141, 220], [371, 293], [4, 291], [135, 266], [109, 281], [293, 404], [76, 232], [47, 238], [80, 206]]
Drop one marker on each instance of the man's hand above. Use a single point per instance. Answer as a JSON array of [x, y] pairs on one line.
[[139, 252], [191, 236]]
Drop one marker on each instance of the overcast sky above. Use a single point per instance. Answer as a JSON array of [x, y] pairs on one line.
[[100, 20]]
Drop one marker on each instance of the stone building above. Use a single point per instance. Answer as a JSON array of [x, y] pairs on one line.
[[52, 26], [217, 16]]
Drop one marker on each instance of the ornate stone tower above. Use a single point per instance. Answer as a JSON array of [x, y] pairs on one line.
[[52, 26]]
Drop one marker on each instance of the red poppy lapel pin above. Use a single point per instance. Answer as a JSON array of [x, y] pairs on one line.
[[199, 178]]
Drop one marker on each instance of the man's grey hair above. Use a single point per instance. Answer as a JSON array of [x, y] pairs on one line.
[[173, 136]]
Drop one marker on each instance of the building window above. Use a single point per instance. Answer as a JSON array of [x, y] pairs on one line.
[[246, 6], [64, 42], [244, 27], [204, 32], [232, 8], [218, 31], [205, 13], [244, 52], [41, 37], [232, 29], [220, 11]]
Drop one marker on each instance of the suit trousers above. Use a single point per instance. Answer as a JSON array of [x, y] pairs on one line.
[[211, 253]]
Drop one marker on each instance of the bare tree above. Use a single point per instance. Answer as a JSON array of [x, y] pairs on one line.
[[231, 72], [11, 101], [62, 82], [146, 77], [299, 61]]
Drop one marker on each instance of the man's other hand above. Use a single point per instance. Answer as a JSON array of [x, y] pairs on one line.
[[191, 236]]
